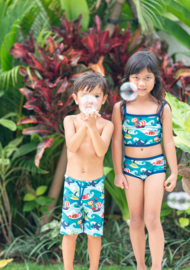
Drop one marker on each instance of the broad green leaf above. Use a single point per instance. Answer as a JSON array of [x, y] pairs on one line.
[[165, 212], [74, 8], [178, 10], [41, 190], [175, 30], [8, 124], [4, 161], [29, 206], [9, 115], [16, 141], [187, 123], [25, 149], [29, 197], [43, 209], [182, 143], [184, 222], [188, 211], [40, 200], [107, 170], [184, 3]]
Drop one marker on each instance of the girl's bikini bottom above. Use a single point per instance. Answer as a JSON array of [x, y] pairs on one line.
[[143, 167]]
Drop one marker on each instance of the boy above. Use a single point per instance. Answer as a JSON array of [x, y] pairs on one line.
[[87, 138]]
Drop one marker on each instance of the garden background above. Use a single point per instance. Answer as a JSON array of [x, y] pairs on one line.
[[44, 45]]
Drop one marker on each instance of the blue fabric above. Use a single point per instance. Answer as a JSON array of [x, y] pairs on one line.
[[83, 207], [142, 130], [144, 167]]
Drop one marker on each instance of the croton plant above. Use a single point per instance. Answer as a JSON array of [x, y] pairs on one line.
[[52, 69]]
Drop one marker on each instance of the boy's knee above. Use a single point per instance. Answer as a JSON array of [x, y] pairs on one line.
[[94, 238], [71, 237]]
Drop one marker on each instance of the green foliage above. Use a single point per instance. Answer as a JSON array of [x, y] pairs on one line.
[[8, 123], [154, 15], [37, 202], [74, 8], [180, 122], [117, 193]]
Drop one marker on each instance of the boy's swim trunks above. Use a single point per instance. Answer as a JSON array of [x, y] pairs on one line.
[[83, 207], [143, 167]]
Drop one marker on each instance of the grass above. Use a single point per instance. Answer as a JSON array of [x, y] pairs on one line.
[[33, 266]]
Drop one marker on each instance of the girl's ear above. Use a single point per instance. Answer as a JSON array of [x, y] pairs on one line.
[[104, 99], [75, 98]]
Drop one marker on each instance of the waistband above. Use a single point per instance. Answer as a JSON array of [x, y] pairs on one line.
[[148, 158], [88, 182]]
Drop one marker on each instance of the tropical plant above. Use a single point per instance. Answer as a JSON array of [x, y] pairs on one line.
[[8, 123], [35, 200], [162, 15], [180, 122]]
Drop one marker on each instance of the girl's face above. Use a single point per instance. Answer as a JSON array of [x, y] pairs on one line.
[[144, 80]]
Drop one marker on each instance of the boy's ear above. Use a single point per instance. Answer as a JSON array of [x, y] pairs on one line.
[[104, 98], [75, 98]]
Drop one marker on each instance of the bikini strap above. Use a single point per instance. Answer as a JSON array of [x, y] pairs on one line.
[[161, 108], [125, 109]]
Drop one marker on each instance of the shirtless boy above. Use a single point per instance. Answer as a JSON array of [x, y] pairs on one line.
[[87, 138]]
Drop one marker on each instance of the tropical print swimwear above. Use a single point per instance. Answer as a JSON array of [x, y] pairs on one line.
[[83, 207], [143, 167], [142, 130]]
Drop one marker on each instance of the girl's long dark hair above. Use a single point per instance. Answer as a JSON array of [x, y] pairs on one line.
[[136, 63]]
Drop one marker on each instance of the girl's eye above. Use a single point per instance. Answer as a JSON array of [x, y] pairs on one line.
[[135, 77], [148, 77], [97, 96]]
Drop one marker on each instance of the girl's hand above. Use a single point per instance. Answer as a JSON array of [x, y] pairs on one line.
[[172, 181], [120, 181]]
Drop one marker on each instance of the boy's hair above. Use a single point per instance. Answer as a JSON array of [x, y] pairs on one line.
[[90, 80]]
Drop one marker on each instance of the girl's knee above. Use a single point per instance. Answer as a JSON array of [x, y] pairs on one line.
[[136, 221], [152, 221]]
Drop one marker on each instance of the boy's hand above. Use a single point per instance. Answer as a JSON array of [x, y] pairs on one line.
[[172, 181], [120, 181], [90, 120]]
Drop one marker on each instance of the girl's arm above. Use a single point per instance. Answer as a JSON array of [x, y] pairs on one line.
[[169, 148], [73, 138], [120, 179]]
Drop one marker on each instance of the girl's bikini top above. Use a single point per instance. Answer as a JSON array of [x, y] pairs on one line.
[[142, 129]]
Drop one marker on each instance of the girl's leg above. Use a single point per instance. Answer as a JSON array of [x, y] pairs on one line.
[[94, 249], [153, 193], [68, 250], [135, 199]]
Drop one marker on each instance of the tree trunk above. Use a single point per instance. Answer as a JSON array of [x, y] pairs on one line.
[[116, 11]]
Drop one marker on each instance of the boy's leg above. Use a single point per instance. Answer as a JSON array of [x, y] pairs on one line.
[[154, 191], [68, 250], [94, 249]]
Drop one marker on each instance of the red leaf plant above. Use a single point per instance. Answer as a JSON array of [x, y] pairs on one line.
[[53, 68]]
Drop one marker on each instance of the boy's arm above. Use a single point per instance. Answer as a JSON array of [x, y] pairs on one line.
[[73, 138], [101, 143]]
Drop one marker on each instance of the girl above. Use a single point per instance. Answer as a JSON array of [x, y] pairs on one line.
[[142, 123]]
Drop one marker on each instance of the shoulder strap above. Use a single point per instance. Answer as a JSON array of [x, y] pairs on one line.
[[125, 109], [161, 108]]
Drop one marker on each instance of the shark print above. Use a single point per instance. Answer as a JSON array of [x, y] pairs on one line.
[[83, 207]]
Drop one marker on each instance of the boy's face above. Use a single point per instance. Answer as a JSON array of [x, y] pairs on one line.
[[96, 92]]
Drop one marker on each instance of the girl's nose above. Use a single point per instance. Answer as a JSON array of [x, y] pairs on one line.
[[141, 83]]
